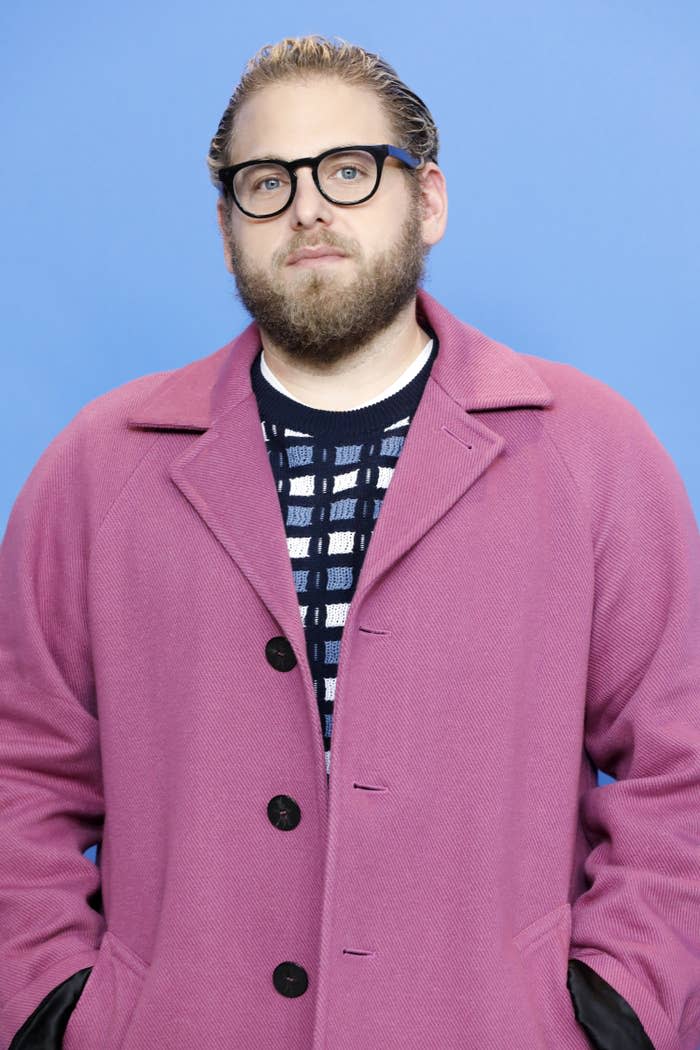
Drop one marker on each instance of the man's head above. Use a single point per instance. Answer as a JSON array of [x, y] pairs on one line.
[[297, 99]]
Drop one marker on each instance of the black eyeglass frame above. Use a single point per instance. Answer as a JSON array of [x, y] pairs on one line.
[[380, 153]]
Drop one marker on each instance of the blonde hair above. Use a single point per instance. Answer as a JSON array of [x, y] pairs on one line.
[[298, 57]]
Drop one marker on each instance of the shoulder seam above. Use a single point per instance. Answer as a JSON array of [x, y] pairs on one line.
[[118, 494], [547, 430]]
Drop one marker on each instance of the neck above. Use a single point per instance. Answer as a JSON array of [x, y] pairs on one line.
[[357, 378]]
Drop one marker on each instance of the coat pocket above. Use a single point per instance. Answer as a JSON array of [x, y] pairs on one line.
[[103, 1013], [543, 947]]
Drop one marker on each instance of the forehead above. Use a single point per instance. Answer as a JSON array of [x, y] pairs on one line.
[[303, 118]]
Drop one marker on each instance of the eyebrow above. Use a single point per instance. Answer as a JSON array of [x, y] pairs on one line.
[[270, 157], [282, 160]]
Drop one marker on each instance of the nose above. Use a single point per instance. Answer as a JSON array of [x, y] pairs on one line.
[[309, 206]]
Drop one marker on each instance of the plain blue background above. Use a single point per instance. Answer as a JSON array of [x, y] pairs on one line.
[[569, 139]]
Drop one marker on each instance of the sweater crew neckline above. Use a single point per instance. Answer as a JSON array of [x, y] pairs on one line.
[[276, 407]]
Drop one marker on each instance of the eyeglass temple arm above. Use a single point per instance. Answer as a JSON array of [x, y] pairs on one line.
[[407, 158]]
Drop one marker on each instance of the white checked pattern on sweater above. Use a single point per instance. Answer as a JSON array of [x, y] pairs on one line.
[[332, 470]]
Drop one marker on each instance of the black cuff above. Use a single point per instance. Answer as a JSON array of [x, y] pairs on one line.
[[44, 1029], [607, 1019]]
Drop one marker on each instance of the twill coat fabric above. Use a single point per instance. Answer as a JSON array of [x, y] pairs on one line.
[[527, 610]]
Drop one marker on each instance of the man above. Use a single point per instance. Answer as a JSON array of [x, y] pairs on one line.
[[177, 576]]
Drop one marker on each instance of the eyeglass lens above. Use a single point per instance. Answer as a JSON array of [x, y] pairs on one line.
[[346, 176]]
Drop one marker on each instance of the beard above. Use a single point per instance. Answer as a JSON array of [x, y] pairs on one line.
[[321, 316]]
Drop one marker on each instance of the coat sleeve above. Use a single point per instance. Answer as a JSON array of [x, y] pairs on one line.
[[45, 1028], [50, 769], [637, 925]]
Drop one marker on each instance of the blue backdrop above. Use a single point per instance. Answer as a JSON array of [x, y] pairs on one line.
[[569, 139]]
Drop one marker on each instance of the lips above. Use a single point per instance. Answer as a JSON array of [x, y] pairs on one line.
[[314, 253]]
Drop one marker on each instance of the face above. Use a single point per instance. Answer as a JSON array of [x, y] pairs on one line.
[[326, 310]]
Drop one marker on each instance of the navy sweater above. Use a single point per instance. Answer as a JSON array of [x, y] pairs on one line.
[[332, 470]]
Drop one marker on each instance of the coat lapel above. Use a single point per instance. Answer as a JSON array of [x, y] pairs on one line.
[[226, 476]]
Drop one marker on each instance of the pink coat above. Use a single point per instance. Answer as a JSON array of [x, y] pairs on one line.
[[528, 610]]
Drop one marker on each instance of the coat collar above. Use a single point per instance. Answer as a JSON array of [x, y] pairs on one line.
[[225, 474], [476, 371]]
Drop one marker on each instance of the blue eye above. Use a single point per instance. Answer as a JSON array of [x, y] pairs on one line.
[[271, 178]]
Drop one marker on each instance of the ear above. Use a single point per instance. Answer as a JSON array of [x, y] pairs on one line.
[[433, 202], [222, 217]]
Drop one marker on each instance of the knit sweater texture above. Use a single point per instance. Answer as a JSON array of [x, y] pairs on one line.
[[332, 469]]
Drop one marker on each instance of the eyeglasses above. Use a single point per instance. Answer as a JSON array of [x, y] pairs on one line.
[[343, 175]]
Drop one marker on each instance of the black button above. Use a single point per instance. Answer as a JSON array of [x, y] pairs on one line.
[[290, 980], [283, 812], [280, 654]]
